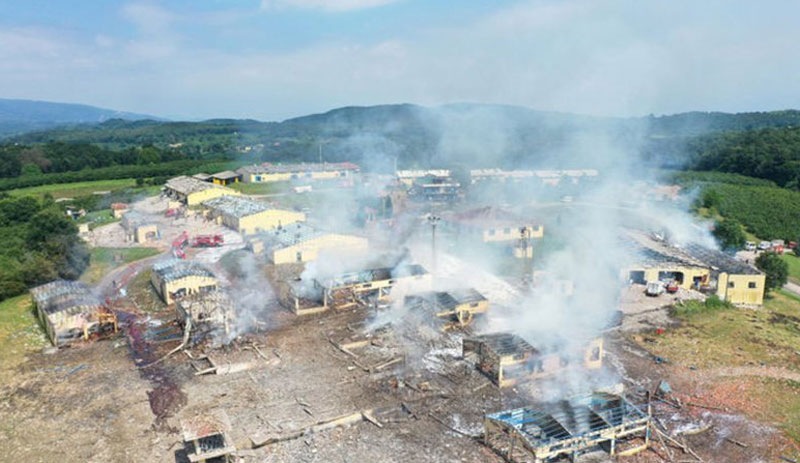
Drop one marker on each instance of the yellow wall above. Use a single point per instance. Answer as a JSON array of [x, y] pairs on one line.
[[736, 288], [140, 235], [309, 250], [689, 273], [268, 220], [198, 197], [191, 284]]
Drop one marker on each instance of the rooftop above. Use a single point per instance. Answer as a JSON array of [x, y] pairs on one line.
[[226, 175], [485, 216], [376, 274], [451, 299], [187, 185], [292, 234], [236, 206], [269, 168], [504, 344], [175, 269], [61, 295]]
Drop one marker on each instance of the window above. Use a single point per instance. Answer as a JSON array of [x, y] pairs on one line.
[[299, 257], [491, 232], [595, 356], [752, 285], [731, 285], [258, 178], [506, 231]]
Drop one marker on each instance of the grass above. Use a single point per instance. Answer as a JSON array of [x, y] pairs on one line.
[[20, 332], [781, 405], [72, 190], [103, 260], [794, 266], [262, 188], [735, 337], [98, 218]]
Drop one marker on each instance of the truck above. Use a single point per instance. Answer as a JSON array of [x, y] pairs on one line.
[[654, 288], [207, 241]]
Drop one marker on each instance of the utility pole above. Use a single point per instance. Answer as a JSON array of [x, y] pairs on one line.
[[433, 220]]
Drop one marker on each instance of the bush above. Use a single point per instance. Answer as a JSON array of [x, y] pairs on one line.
[[711, 304]]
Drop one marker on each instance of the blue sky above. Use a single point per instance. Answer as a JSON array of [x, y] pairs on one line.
[[275, 59]]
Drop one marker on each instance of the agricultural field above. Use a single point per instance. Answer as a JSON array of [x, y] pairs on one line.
[[73, 190], [20, 333], [794, 266], [745, 360]]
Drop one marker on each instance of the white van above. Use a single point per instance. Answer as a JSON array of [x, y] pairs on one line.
[[749, 246]]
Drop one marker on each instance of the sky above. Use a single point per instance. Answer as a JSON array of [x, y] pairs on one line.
[[277, 59]]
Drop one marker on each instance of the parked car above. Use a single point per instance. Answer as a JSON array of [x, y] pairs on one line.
[[764, 245], [654, 288], [749, 246]]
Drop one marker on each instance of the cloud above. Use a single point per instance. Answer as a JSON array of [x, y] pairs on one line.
[[324, 5]]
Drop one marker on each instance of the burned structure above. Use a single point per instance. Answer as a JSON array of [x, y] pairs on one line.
[[457, 308], [207, 438], [351, 289], [69, 311], [175, 278], [508, 359], [138, 229], [567, 429], [248, 216], [207, 313], [435, 189]]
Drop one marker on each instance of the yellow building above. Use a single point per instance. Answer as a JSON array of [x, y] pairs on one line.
[[137, 229], [247, 216], [301, 243], [174, 279], [508, 359], [407, 177], [226, 178], [457, 307], [696, 267], [191, 191], [268, 172]]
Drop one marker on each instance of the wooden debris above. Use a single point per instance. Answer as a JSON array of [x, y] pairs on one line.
[[736, 442], [367, 414], [319, 426], [442, 422], [787, 459]]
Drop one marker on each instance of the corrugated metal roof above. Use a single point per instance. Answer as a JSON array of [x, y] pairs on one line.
[[268, 168], [61, 295], [187, 185], [236, 206], [175, 269]]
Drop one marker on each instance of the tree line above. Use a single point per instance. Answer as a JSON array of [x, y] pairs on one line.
[[40, 244]]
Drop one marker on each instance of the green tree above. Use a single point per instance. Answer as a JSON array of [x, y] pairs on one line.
[[730, 234], [776, 269]]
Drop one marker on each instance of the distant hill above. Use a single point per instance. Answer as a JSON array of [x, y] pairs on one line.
[[20, 116], [468, 135]]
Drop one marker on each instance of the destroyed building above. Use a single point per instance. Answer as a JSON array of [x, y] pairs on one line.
[[457, 307], [407, 177], [694, 267], [191, 191], [207, 313], [354, 288], [545, 177], [69, 311], [175, 278], [138, 228], [508, 359], [248, 216], [302, 243], [568, 428], [435, 189], [268, 172], [207, 438]]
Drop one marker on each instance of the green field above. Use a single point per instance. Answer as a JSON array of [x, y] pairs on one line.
[[20, 332], [262, 188], [73, 190], [794, 266], [103, 260]]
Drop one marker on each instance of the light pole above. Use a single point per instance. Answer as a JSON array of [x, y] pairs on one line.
[[433, 220]]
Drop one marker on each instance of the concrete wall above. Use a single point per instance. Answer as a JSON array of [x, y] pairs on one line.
[[268, 220], [189, 284], [309, 250], [198, 197], [741, 289], [689, 274]]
